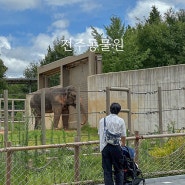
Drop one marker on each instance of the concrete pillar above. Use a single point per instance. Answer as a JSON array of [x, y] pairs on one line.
[[98, 63], [61, 75], [91, 63]]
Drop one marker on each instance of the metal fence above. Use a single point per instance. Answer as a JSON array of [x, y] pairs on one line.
[[147, 110], [15, 113], [80, 162], [153, 108]]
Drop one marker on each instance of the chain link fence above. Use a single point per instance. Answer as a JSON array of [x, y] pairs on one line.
[[27, 162], [80, 162]]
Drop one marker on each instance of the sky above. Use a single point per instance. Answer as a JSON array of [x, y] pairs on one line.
[[28, 27]]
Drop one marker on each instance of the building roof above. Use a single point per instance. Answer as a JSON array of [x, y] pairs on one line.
[[20, 81]]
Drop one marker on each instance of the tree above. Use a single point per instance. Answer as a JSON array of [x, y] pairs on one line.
[[115, 30], [154, 16], [164, 40], [170, 17], [31, 71], [153, 39], [152, 43], [61, 49], [111, 45], [131, 57], [176, 27], [3, 69]]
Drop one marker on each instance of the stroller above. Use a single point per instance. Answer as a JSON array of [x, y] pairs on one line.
[[132, 174]]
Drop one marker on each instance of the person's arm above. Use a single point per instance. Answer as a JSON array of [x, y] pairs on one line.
[[123, 140]]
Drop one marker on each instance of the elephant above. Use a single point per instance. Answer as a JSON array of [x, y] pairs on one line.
[[57, 101]]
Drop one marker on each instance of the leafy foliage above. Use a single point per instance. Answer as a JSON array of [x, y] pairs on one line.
[[31, 71], [3, 69], [60, 50], [168, 148], [111, 58], [155, 42]]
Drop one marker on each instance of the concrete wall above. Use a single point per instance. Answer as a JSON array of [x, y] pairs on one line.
[[144, 99]]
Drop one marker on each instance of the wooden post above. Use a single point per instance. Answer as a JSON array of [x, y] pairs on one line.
[[160, 110], [136, 144], [61, 75], [78, 138], [77, 161], [107, 100], [130, 130], [8, 165], [12, 114], [0, 114], [78, 115], [5, 117], [43, 127]]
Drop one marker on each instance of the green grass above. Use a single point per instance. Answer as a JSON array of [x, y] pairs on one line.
[[50, 166], [19, 135]]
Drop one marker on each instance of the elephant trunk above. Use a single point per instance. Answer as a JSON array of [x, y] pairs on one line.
[[84, 115]]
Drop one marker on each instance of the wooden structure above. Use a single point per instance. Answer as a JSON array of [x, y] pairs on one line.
[[21, 81], [73, 70]]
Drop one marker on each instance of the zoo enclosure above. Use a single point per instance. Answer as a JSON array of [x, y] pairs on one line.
[[146, 111], [28, 117], [17, 162]]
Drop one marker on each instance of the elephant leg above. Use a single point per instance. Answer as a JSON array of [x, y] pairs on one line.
[[65, 118], [57, 112], [56, 120], [37, 121], [37, 116]]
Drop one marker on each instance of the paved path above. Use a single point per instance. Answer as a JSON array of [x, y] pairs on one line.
[[169, 180]]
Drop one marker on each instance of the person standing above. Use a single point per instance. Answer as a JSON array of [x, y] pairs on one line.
[[112, 155]]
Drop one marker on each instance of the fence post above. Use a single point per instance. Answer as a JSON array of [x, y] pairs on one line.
[[136, 144], [8, 165], [107, 100], [5, 117], [43, 127], [129, 112], [160, 110], [0, 115], [78, 115], [77, 161], [12, 114], [78, 138]]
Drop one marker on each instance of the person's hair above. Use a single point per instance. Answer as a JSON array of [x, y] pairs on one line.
[[115, 108]]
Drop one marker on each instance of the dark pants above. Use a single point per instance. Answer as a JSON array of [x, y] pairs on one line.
[[112, 156]]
